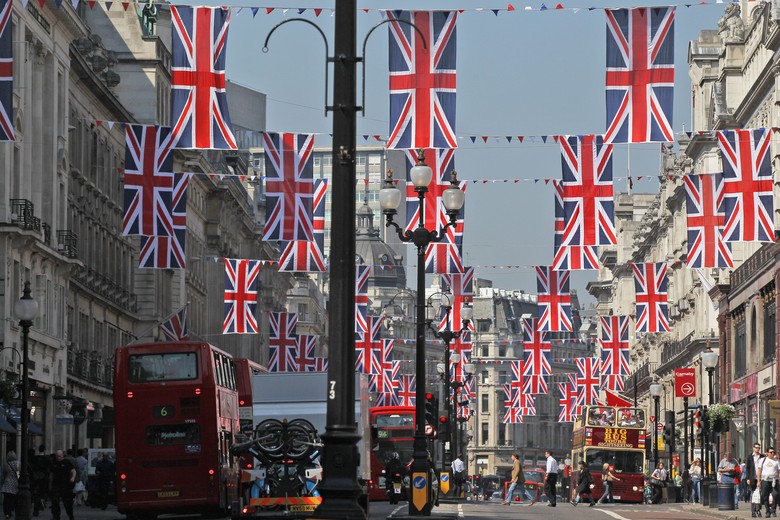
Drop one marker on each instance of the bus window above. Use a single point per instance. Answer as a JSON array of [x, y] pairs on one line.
[[601, 417], [177, 366], [623, 461], [631, 418], [394, 420]]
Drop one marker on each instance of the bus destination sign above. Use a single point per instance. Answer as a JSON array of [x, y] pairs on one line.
[[615, 437]]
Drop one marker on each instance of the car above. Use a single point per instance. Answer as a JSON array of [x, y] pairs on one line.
[[497, 495]]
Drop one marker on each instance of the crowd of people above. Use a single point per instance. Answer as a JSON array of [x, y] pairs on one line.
[[59, 479]]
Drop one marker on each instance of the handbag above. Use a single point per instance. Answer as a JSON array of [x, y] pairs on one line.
[[755, 498], [656, 482], [78, 487]]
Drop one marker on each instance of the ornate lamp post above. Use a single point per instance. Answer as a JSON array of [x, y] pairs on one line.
[[709, 360], [470, 369], [389, 199], [656, 389], [26, 309], [447, 335]]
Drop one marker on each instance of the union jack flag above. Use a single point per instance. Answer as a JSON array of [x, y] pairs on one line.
[[614, 351], [240, 296], [747, 185], [304, 357], [568, 402], [200, 108], [382, 367], [386, 398], [289, 186], [589, 208], [365, 342], [148, 181], [443, 257], [588, 381], [512, 414], [517, 382], [652, 313], [305, 255], [362, 273], [527, 404], [640, 74], [461, 287], [283, 342], [536, 355], [320, 364], [554, 299], [706, 247], [6, 73], [462, 346], [167, 252], [407, 390], [572, 257], [422, 79], [175, 327]]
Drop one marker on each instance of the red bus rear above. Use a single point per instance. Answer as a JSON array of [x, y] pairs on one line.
[[245, 369], [176, 417], [392, 431]]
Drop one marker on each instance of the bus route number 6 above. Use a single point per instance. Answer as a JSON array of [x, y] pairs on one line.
[[163, 412]]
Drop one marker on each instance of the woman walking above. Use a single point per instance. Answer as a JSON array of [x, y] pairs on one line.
[[10, 485], [584, 485], [695, 472], [657, 480], [609, 479]]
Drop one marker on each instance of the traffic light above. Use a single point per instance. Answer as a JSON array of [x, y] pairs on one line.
[[697, 422], [669, 431], [431, 411], [444, 426]]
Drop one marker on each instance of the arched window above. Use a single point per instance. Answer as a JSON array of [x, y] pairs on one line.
[[740, 344], [770, 311]]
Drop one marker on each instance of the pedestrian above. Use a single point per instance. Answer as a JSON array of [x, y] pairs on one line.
[[727, 472], [82, 476], [517, 471], [551, 479], [104, 472], [41, 467], [458, 474], [743, 489], [62, 480], [750, 467], [696, 475], [10, 484], [584, 485], [766, 473], [608, 477], [658, 481]]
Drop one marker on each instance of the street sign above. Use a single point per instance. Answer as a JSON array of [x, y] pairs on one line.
[[774, 408], [685, 382], [660, 426], [652, 418]]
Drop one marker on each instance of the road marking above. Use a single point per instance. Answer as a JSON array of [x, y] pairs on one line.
[[460, 511], [613, 514]]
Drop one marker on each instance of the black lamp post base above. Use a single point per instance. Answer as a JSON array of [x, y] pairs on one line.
[[24, 502], [420, 505], [341, 496]]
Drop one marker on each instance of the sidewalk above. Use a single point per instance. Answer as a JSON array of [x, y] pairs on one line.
[[737, 514]]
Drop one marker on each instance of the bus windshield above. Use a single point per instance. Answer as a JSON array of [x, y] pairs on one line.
[[389, 421], [176, 366], [623, 461]]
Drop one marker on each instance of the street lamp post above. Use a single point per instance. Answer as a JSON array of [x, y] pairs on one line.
[[656, 389], [470, 369], [709, 359], [447, 335], [389, 199], [26, 309]]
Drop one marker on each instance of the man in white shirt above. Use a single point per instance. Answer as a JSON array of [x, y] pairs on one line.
[[551, 478], [766, 473], [458, 474]]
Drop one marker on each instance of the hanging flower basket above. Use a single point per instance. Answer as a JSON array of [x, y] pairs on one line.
[[720, 416], [7, 391]]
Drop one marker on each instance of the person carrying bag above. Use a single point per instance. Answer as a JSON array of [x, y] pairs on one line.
[[584, 486], [658, 481]]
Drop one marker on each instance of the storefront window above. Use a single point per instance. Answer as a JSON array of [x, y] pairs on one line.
[[769, 425]]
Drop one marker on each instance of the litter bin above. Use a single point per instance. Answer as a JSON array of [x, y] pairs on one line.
[[713, 492], [705, 493], [726, 497]]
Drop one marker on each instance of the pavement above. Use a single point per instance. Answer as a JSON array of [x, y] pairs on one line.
[[737, 514]]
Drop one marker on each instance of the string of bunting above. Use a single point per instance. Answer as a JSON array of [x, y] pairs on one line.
[[318, 11]]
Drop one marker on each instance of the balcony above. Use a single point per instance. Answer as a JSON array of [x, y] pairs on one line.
[[23, 215], [753, 265], [68, 243], [106, 287]]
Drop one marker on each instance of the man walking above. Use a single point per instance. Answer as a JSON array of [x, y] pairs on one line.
[[551, 478], [63, 477], [517, 471], [458, 474], [750, 467]]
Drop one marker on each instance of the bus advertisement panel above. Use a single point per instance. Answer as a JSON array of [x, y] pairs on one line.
[[614, 436]]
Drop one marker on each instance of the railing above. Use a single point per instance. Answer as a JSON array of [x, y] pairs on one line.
[[673, 349], [23, 215], [46, 233], [757, 262], [68, 243]]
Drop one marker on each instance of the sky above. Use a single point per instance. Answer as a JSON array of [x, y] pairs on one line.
[[518, 73]]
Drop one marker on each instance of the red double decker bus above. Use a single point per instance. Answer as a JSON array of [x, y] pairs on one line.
[[176, 418], [245, 369], [614, 436], [392, 431]]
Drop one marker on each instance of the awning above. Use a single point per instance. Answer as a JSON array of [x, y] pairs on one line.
[[34, 429], [5, 426]]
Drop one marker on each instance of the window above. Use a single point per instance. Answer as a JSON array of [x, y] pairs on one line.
[[485, 408], [484, 438], [770, 311], [740, 352], [147, 368], [502, 351], [483, 325]]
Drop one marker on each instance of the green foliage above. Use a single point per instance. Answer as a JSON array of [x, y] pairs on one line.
[[719, 416]]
